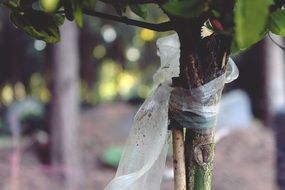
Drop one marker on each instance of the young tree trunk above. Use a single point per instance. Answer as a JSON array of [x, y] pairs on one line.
[[201, 60], [65, 107]]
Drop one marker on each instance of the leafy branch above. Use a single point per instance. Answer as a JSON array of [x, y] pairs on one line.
[[277, 5], [132, 2], [161, 27]]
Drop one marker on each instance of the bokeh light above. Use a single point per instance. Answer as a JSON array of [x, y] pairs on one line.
[[20, 91], [147, 35], [133, 54], [126, 82], [109, 33], [143, 91], [39, 88], [7, 94], [99, 51], [39, 45]]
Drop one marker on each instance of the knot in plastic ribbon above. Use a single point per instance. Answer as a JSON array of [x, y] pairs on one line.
[[169, 53]]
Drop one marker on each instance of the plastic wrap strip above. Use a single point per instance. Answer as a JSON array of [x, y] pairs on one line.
[[143, 160], [197, 108], [142, 163]]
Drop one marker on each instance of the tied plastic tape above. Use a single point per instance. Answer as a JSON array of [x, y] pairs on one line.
[[143, 160], [198, 108]]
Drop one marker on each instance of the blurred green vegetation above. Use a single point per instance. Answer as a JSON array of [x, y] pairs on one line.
[[112, 155], [114, 64], [117, 63]]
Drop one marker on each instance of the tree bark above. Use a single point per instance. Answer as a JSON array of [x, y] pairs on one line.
[[65, 107], [201, 60]]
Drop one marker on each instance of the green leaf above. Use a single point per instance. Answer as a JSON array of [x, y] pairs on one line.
[[89, 3], [58, 19], [277, 22], [26, 4], [10, 5], [140, 10], [185, 8], [251, 17], [68, 9], [38, 24], [73, 10], [49, 6], [78, 16], [120, 9]]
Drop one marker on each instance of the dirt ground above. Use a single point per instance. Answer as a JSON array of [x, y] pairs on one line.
[[244, 159]]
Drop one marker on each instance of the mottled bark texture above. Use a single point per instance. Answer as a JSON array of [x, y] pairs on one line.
[[201, 60]]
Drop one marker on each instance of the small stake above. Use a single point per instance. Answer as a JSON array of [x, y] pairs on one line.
[[178, 159]]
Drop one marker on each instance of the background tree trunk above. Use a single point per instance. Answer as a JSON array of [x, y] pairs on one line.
[[65, 107], [275, 75], [275, 85]]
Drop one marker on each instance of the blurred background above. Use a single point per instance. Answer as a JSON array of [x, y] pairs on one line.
[[66, 109]]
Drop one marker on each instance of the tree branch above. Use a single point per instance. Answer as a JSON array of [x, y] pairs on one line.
[[161, 27], [276, 43], [133, 2]]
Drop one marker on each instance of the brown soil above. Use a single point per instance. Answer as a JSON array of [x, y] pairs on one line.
[[244, 159]]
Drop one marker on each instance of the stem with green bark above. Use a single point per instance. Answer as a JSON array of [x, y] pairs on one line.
[[200, 150], [201, 60]]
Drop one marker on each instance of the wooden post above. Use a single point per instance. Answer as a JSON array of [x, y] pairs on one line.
[[178, 159]]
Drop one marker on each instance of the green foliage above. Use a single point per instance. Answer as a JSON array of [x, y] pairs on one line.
[[26, 4], [185, 8], [68, 9], [120, 9], [73, 9], [140, 10], [38, 24], [49, 6], [251, 18], [88, 3], [277, 22], [78, 16]]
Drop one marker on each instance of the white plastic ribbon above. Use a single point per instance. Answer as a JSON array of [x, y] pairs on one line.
[[143, 160]]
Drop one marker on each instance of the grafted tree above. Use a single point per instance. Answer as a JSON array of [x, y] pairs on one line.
[[209, 31]]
